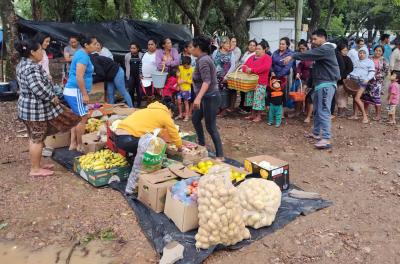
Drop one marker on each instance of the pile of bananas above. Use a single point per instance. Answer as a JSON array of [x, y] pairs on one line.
[[102, 160], [93, 125], [203, 166]]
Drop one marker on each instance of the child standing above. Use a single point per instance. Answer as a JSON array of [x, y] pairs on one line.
[[133, 72], [171, 85], [185, 84], [393, 97], [275, 98]]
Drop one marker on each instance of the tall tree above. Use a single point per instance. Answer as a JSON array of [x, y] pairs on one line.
[[315, 8], [235, 15], [10, 31], [63, 9], [37, 10], [124, 8], [196, 11]]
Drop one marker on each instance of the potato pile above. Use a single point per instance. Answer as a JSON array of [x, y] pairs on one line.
[[260, 200], [220, 218]]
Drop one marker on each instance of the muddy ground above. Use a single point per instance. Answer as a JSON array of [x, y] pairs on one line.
[[42, 219]]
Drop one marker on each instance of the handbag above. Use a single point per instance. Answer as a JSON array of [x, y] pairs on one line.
[[66, 120]]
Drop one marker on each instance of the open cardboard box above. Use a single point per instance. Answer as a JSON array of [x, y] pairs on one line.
[[188, 158], [92, 143], [58, 140], [280, 174], [153, 188], [123, 110], [185, 216], [183, 172]]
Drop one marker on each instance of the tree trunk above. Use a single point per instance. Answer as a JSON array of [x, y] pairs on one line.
[[37, 11], [127, 9], [236, 18], [331, 8], [10, 35], [197, 14], [63, 9], [315, 7]]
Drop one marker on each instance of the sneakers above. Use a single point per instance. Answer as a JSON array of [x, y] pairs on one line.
[[323, 144], [312, 136]]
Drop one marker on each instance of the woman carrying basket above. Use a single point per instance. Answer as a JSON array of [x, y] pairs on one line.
[[259, 64]]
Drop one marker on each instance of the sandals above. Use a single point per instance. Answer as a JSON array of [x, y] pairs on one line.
[[365, 121], [186, 119], [178, 117], [41, 173], [47, 166]]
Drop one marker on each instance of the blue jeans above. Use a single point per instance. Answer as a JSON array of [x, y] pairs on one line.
[[322, 111], [119, 84]]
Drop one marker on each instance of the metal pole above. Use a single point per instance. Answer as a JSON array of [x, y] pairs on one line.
[[298, 21]]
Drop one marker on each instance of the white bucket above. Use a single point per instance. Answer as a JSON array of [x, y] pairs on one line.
[[159, 79]]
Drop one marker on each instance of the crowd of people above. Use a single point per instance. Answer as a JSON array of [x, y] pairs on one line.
[[197, 83]]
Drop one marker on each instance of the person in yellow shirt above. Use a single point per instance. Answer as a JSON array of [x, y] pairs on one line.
[[156, 115], [185, 79]]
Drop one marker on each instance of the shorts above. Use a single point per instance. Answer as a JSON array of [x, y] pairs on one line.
[[39, 130], [391, 109], [184, 95], [74, 99]]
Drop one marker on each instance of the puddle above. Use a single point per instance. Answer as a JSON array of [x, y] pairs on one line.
[[94, 252]]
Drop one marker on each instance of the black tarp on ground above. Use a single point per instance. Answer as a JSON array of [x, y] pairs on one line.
[[115, 35], [160, 230]]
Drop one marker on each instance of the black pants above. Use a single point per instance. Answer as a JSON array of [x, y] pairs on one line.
[[242, 102], [333, 104], [134, 85], [208, 110], [129, 144]]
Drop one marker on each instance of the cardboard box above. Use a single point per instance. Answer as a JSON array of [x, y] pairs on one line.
[[153, 188], [58, 140], [183, 215], [102, 177], [186, 158], [97, 94], [183, 171], [280, 174], [91, 143], [123, 110]]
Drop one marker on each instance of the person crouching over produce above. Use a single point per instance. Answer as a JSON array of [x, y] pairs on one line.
[[156, 115]]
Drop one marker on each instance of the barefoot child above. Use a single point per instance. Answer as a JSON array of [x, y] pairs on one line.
[[393, 97], [185, 84], [275, 97]]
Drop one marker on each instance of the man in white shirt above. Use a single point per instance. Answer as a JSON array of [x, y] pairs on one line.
[[353, 53]]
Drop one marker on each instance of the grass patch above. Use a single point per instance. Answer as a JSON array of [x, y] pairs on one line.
[[104, 235]]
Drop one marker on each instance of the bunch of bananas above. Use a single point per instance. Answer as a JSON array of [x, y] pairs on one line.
[[102, 160], [93, 125]]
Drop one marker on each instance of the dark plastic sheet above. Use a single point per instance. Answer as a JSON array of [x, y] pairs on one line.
[[115, 35], [160, 230]]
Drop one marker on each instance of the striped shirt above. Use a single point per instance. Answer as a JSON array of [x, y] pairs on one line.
[[36, 93]]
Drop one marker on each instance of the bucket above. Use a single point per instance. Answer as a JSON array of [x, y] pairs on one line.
[[159, 79], [4, 87]]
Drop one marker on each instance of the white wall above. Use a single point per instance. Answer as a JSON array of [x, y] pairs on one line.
[[271, 30]]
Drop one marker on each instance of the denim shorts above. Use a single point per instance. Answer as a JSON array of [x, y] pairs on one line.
[[184, 95]]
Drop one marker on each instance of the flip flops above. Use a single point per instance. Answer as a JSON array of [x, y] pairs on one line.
[[48, 166], [41, 173], [323, 144]]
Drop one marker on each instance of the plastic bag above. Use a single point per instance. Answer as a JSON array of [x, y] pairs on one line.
[[260, 200], [220, 216], [186, 190], [145, 160]]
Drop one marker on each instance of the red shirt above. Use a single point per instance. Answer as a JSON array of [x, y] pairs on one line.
[[171, 86], [259, 66]]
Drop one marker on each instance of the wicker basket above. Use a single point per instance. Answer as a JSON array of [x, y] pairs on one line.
[[350, 86], [299, 96], [241, 81]]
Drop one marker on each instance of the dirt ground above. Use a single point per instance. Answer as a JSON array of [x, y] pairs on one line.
[[42, 219]]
